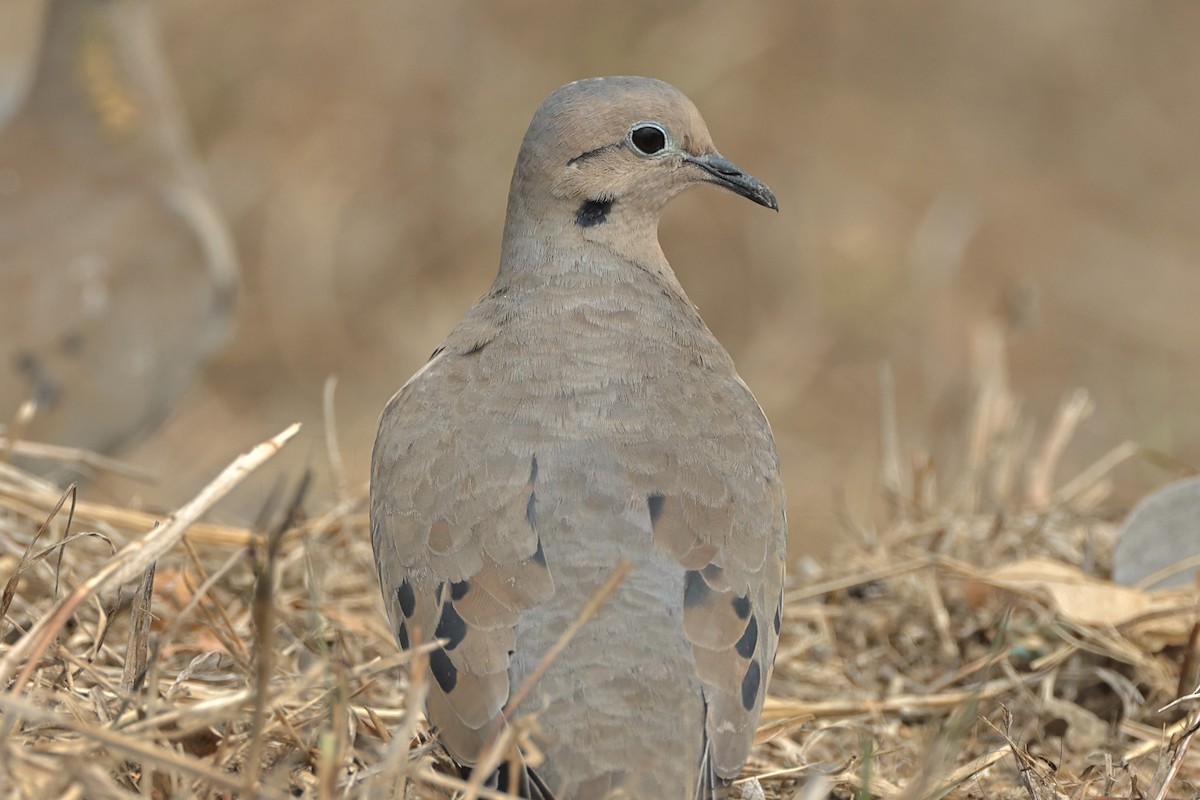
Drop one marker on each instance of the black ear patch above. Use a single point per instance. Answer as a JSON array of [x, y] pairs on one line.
[[593, 212]]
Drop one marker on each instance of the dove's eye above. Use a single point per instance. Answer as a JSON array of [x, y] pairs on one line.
[[648, 138]]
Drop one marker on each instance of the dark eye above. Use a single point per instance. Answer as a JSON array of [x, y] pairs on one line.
[[648, 139]]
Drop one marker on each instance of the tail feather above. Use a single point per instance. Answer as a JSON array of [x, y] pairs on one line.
[[710, 785], [519, 780]]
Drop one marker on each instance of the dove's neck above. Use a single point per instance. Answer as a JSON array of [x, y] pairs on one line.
[[549, 248]]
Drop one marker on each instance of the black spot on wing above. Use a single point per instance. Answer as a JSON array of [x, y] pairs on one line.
[[695, 590], [402, 636], [533, 470], [778, 618], [459, 589], [750, 685], [539, 555], [531, 511], [451, 626], [477, 347], [593, 212], [654, 504], [749, 641], [406, 598], [741, 606], [446, 674]]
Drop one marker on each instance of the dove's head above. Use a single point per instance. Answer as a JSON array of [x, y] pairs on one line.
[[610, 152]]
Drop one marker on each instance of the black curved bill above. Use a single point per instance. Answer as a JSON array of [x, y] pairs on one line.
[[724, 172]]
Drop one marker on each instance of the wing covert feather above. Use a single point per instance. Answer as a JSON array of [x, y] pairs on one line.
[[457, 548], [720, 510]]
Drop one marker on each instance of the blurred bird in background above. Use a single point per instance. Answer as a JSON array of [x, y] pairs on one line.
[[117, 273]]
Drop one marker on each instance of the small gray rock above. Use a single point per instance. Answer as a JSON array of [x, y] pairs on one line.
[[1161, 530]]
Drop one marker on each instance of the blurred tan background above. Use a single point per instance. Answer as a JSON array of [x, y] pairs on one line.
[[937, 164]]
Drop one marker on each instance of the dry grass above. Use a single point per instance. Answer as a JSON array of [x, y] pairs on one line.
[[140, 660]]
